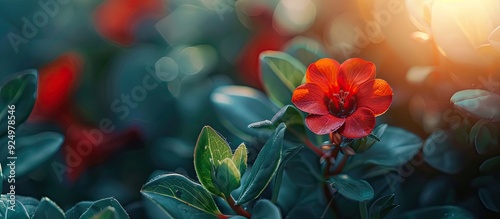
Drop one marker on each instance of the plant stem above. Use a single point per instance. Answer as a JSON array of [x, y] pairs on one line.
[[341, 165], [363, 210], [236, 208], [326, 172], [307, 142]]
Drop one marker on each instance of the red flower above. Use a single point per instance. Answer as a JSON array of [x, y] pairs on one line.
[[117, 20], [344, 98]]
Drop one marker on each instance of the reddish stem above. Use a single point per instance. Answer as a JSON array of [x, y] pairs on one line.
[[223, 216], [341, 165], [236, 208], [308, 143]]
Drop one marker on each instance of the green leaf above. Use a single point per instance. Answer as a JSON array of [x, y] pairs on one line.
[[288, 154], [289, 115], [396, 147], [240, 157], [265, 209], [210, 149], [304, 169], [363, 144], [227, 177], [18, 90], [102, 204], [480, 103], [238, 106], [475, 130], [306, 50], [281, 74], [107, 213], [491, 165], [490, 197], [47, 209], [77, 210], [1, 178], [484, 136], [382, 207], [357, 190], [438, 212], [31, 151], [9, 211], [180, 197], [440, 153], [29, 203], [264, 167]]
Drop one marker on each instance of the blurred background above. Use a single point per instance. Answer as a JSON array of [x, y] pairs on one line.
[[128, 82]]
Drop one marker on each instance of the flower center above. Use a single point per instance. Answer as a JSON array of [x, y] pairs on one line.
[[342, 104]]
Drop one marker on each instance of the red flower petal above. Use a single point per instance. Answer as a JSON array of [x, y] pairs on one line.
[[354, 72], [375, 95], [56, 84], [116, 20], [310, 98], [323, 124], [323, 73], [359, 124]]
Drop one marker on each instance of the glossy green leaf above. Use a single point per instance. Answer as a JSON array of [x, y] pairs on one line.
[[227, 177], [475, 130], [107, 213], [438, 212], [281, 74], [9, 211], [210, 149], [288, 114], [442, 154], [239, 106], [31, 150], [240, 158], [484, 136], [29, 203], [437, 191], [288, 154], [491, 165], [292, 118], [306, 50], [480, 103], [363, 144], [180, 197], [102, 204], [23, 207], [77, 210], [1, 178], [304, 169], [357, 190], [19, 90], [396, 147], [264, 168], [490, 197], [265, 209], [382, 207], [47, 209]]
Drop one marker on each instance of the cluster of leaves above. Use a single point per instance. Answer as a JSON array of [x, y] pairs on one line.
[[471, 139], [220, 173], [303, 184], [34, 146]]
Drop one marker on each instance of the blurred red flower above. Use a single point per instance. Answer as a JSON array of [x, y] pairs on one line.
[[116, 19], [84, 145], [265, 37], [342, 97], [56, 84]]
